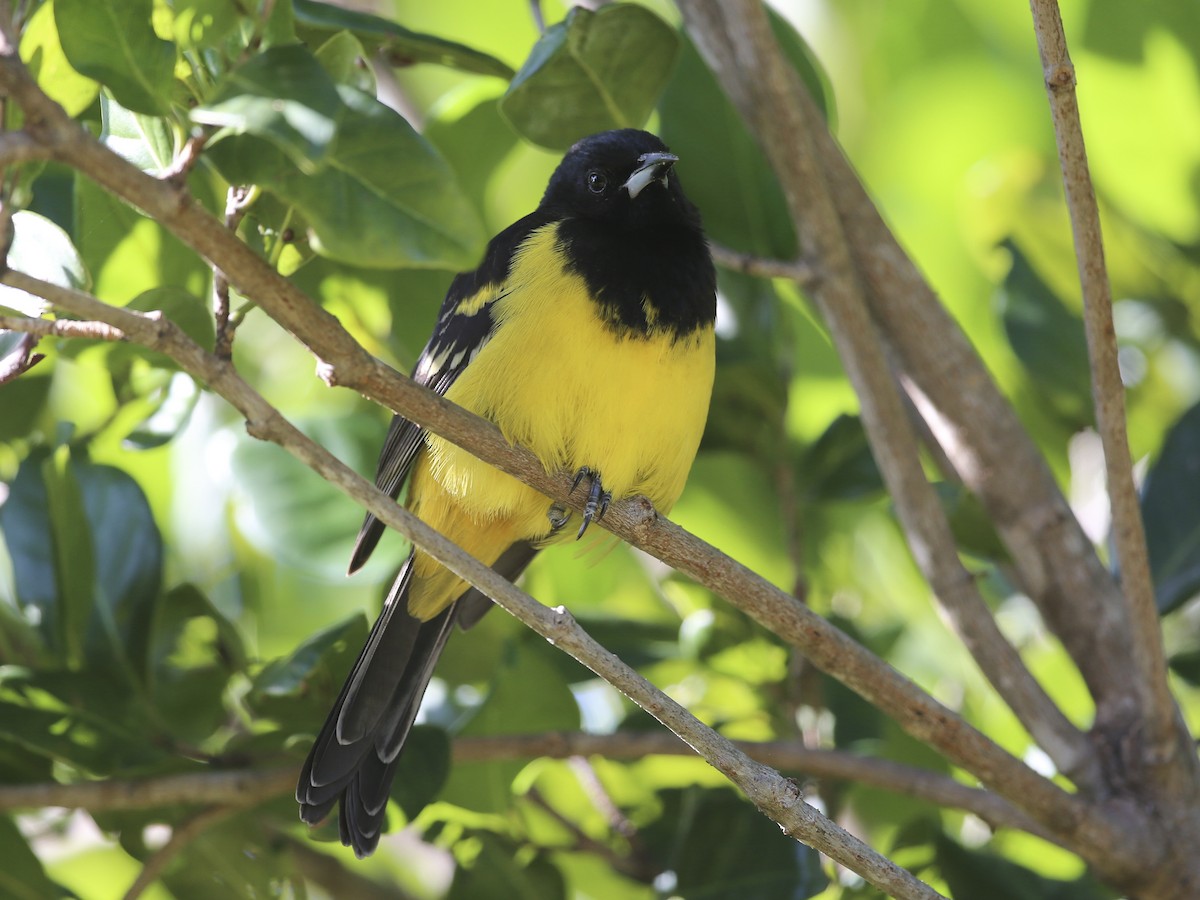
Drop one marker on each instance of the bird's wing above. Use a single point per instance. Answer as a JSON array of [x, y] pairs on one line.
[[465, 324]]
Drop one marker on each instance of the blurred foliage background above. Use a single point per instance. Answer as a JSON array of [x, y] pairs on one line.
[[172, 595]]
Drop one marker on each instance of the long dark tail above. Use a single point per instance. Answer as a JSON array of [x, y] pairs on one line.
[[355, 755]]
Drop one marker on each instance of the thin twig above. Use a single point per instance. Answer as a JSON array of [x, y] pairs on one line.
[[250, 786], [236, 201], [1165, 739], [67, 328], [777, 797], [186, 159], [20, 360], [749, 264], [186, 832]]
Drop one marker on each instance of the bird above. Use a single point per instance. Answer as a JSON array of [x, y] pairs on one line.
[[587, 335]]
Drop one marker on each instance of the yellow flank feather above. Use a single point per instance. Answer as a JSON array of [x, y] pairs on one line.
[[557, 379]]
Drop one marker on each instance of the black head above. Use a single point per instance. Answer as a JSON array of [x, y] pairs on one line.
[[623, 177]]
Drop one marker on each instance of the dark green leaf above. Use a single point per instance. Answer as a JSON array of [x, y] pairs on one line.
[[193, 651], [284, 96], [112, 41], [402, 47], [591, 72], [840, 465], [312, 673], [970, 523], [1186, 665], [724, 170], [22, 399], [978, 875], [527, 696], [385, 199], [87, 554], [73, 541], [1047, 338], [474, 140], [1172, 515], [423, 769], [22, 876], [498, 870], [718, 846]]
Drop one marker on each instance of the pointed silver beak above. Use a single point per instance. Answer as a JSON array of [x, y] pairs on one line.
[[651, 167]]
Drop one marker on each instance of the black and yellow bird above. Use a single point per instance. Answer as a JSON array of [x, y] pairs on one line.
[[586, 335]]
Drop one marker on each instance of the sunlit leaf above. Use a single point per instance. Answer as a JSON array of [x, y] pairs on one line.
[[146, 141], [384, 199], [42, 52], [112, 42], [41, 248], [591, 72], [497, 870], [403, 47]]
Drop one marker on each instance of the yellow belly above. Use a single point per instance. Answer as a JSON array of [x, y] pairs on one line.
[[556, 379]]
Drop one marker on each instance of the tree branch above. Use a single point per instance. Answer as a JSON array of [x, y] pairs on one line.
[[734, 36], [251, 786], [346, 363], [186, 832], [776, 796], [749, 264], [1166, 740]]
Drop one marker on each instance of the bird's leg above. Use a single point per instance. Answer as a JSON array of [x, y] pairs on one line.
[[597, 501]]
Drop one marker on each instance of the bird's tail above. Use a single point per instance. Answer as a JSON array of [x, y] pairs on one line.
[[355, 755]]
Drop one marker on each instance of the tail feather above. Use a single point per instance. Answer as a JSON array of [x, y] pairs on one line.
[[355, 754]]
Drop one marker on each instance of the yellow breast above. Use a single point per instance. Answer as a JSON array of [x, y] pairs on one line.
[[559, 380]]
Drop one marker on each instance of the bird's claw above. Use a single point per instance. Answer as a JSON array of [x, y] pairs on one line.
[[598, 499]]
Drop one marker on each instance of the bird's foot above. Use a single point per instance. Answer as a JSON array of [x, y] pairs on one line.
[[558, 515], [597, 501]]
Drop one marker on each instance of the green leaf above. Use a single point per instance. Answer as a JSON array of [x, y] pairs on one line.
[[201, 24], [591, 72], [344, 59], [1172, 516], [112, 41], [979, 875], [1047, 338], [498, 869], [403, 47], [128, 253], [42, 52], [721, 165], [717, 846], [87, 555], [193, 652], [42, 249], [72, 540], [384, 199], [145, 141], [527, 696], [185, 310], [22, 876], [282, 95], [840, 465], [298, 688], [174, 404], [972, 527], [423, 769]]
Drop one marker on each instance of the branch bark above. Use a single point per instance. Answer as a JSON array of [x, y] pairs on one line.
[[1166, 739]]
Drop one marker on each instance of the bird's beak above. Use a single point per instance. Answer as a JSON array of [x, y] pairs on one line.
[[651, 167]]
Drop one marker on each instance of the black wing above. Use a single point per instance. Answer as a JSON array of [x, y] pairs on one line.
[[464, 326]]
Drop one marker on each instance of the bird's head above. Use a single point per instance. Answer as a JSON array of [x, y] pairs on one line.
[[623, 177]]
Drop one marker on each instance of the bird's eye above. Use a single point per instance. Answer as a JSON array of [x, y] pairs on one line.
[[596, 182]]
